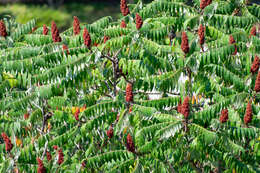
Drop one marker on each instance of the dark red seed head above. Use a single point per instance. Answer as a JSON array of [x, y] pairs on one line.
[[106, 38], [8, 143], [201, 33], [60, 157], [41, 168], [110, 132], [55, 32], [130, 144], [232, 41], [185, 43], [138, 21], [65, 49], [76, 25], [255, 66], [3, 32], [45, 30], [48, 155], [86, 38], [123, 24], [179, 106], [129, 93], [249, 113], [257, 82], [123, 7], [224, 116], [253, 31], [185, 109]]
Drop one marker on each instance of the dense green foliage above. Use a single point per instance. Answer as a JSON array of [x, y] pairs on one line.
[[80, 100]]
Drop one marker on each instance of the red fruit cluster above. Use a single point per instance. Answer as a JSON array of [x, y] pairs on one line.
[[123, 24], [224, 116], [41, 168], [204, 3], [55, 32], [255, 66], [106, 38], [130, 144], [179, 106], [3, 32], [123, 7], [129, 93], [65, 49], [61, 157], [185, 108], [249, 113], [110, 132], [76, 115], [232, 41], [86, 38], [201, 33], [55, 147], [184, 43], [8, 143], [253, 31], [138, 21], [26, 116], [257, 82], [45, 30], [48, 155], [76, 25]]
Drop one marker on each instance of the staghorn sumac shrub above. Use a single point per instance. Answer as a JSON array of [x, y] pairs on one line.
[[86, 38], [130, 144], [8, 142], [224, 116], [129, 93], [257, 82], [45, 30], [55, 32], [76, 26], [185, 43], [179, 106], [60, 156], [123, 7], [249, 113], [138, 21], [123, 24], [255, 66], [185, 108], [232, 41], [41, 168], [3, 32], [201, 33]]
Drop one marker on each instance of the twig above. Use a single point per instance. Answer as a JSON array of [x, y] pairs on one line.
[[45, 150]]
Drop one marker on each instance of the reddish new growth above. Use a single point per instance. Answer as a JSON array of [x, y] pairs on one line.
[[106, 38], [65, 48], [253, 31], [55, 147], [185, 43], [255, 65], [257, 82], [130, 144], [123, 24], [8, 143], [224, 116], [3, 32], [138, 21], [249, 113], [55, 32], [123, 7], [201, 33], [26, 116], [179, 106], [232, 41], [61, 157], [83, 164], [48, 155], [204, 3], [86, 38], [45, 30], [41, 168], [76, 115], [76, 26], [110, 132], [185, 109], [129, 93]]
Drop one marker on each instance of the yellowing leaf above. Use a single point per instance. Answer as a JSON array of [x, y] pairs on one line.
[[18, 142]]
